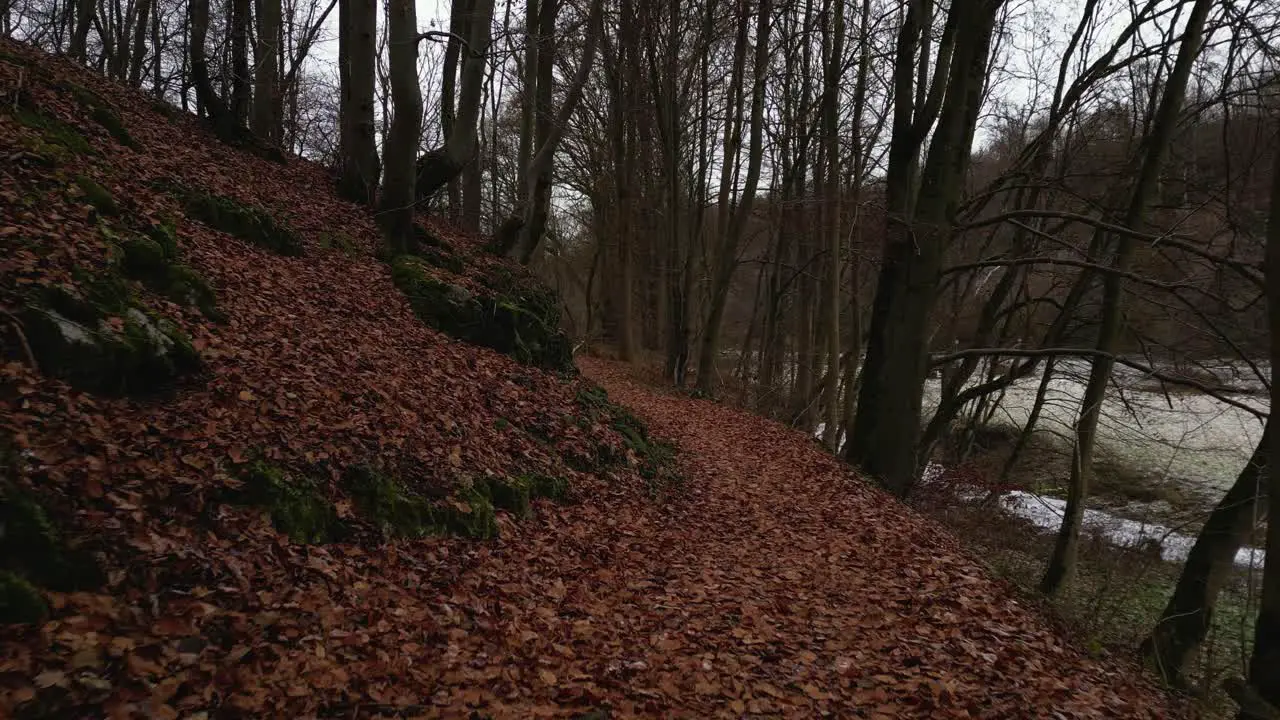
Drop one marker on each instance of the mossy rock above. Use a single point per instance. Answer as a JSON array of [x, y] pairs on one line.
[[505, 323], [399, 513], [340, 242], [33, 551], [388, 505], [251, 224], [511, 494], [20, 601], [551, 487], [72, 339], [153, 262], [296, 505], [657, 458], [99, 197], [54, 131], [469, 514]]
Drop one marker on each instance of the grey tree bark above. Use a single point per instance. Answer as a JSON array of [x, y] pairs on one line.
[[398, 196], [1066, 545], [357, 141]]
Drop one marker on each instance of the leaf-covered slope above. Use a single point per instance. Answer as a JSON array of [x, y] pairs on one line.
[[233, 365]]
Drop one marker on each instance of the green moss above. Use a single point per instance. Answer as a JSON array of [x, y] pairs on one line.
[[154, 264], [503, 322], [144, 259], [399, 513], [20, 601], [54, 131], [548, 486], [657, 458], [32, 548], [297, 507], [251, 224], [72, 340], [470, 514], [386, 503], [99, 197], [340, 242], [510, 494], [111, 122]]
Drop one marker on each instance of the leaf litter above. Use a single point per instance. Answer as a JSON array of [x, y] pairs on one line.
[[773, 583]]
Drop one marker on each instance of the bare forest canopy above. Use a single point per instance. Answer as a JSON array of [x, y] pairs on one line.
[[823, 210]]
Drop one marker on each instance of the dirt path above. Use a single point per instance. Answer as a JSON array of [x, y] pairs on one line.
[[778, 586]]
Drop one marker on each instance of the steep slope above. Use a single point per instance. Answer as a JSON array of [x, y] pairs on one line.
[[207, 369]]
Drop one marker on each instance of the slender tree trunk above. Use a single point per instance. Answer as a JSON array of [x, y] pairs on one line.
[[265, 122], [550, 129], [139, 52], [357, 62], [887, 424], [458, 27], [443, 164], [831, 390], [1188, 616], [80, 35], [727, 258], [402, 139], [240, 77], [1066, 546], [206, 97], [1264, 666]]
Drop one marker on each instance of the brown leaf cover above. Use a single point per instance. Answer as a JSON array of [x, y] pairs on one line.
[[775, 584]]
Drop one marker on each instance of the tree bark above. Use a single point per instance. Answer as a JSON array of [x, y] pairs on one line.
[[1264, 665], [1187, 617], [398, 194], [1066, 546], [539, 173], [240, 77], [727, 257], [80, 35], [357, 59], [887, 423], [139, 51], [265, 121], [443, 164]]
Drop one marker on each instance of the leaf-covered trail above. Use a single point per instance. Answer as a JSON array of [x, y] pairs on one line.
[[781, 585]]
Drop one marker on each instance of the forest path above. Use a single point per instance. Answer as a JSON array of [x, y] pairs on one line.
[[779, 584]]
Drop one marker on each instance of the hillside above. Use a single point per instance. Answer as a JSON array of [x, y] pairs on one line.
[[251, 469]]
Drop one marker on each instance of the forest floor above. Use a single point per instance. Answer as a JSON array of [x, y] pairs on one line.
[[769, 582]]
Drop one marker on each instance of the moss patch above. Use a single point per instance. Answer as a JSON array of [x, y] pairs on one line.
[[96, 337], [153, 260], [99, 197], [397, 512], [33, 554], [20, 601], [297, 507], [513, 323], [656, 458], [249, 223], [388, 505], [53, 131]]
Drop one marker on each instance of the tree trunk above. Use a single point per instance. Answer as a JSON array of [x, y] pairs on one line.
[[402, 139], [265, 122], [139, 52], [206, 96], [84, 20], [727, 257], [458, 28], [887, 423], [550, 129], [831, 205], [357, 59], [443, 164], [240, 78], [1189, 614], [1264, 666], [1066, 546]]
